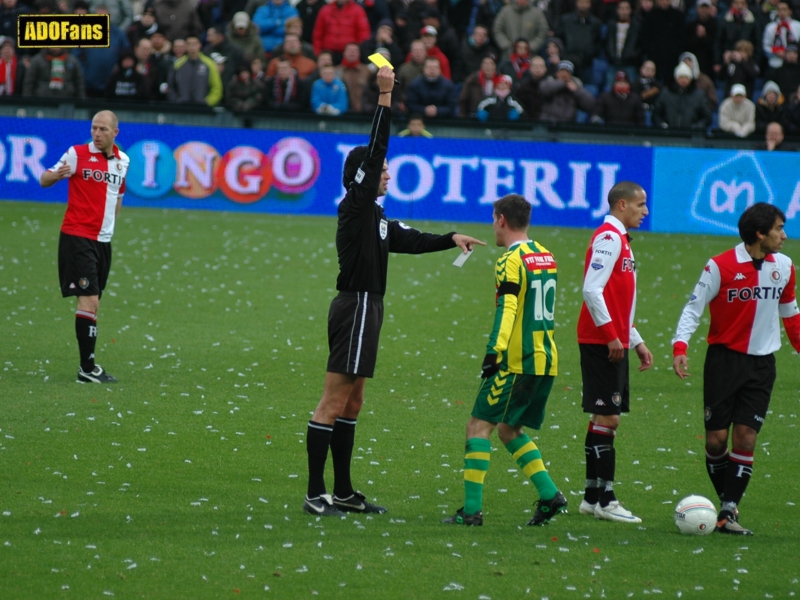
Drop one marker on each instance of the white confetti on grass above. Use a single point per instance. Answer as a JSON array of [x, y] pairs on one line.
[[453, 587]]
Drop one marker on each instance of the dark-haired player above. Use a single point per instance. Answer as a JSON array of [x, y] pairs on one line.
[[96, 173], [364, 238], [518, 369], [747, 288], [605, 333]]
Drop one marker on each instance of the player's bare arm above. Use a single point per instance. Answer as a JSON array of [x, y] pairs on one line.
[[49, 178], [645, 357]]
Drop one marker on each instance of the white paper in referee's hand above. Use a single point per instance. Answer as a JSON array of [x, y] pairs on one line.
[[462, 258]]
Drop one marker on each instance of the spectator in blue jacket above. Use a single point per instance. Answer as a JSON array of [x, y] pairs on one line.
[[329, 94], [270, 20], [98, 63], [431, 94]]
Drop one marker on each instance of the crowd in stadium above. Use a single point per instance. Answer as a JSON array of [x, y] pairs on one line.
[[672, 64]]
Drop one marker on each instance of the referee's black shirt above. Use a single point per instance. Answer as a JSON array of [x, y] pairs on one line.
[[364, 236]]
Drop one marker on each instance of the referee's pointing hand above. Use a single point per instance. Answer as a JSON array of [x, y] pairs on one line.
[[465, 242]]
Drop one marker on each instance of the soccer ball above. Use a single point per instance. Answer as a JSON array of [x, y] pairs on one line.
[[696, 515]]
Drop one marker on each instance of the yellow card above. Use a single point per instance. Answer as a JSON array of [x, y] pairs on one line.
[[379, 60]]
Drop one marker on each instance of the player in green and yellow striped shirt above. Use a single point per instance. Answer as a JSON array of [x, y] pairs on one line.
[[521, 361]]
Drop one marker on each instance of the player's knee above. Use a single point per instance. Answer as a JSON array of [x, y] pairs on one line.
[[89, 303], [507, 434], [609, 421]]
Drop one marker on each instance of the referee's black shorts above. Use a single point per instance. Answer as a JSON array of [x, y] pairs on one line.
[[83, 265], [354, 329], [606, 388], [736, 388]]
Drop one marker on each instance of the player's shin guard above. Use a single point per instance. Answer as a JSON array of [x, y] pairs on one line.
[[86, 332], [591, 492], [477, 454], [717, 467], [342, 438], [737, 476], [318, 440], [605, 461], [529, 459]]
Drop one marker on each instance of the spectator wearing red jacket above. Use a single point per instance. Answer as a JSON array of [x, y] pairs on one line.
[[340, 23]]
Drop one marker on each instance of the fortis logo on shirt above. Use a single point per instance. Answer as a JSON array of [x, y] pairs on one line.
[[628, 264], [755, 293], [102, 176]]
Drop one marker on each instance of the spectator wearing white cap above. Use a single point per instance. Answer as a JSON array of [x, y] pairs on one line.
[[737, 114], [243, 33], [703, 82], [428, 35], [563, 95], [682, 105]]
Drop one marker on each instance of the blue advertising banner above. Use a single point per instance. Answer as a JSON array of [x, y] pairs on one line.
[[705, 191], [300, 173]]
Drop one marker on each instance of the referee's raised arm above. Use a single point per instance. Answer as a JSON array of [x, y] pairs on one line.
[[362, 185]]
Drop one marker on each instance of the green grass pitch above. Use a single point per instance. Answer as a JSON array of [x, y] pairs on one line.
[[185, 480]]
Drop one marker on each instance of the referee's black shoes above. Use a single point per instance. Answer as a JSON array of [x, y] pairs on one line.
[[321, 506], [96, 375], [357, 503]]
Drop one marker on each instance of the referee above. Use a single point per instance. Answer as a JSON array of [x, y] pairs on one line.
[[364, 238], [96, 173]]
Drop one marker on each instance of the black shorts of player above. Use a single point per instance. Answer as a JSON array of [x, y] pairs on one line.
[[606, 389], [736, 388], [83, 265], [354, 328]]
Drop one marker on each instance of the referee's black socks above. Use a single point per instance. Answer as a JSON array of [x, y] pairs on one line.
[[318, 440], [86, 332], [342, 440]]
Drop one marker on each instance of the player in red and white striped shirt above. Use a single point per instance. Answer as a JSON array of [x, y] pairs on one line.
[[747, 288], [605, 333], [96, 173]]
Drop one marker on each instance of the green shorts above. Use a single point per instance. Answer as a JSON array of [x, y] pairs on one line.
[[513, 399]]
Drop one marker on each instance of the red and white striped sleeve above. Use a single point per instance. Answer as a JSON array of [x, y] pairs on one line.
[[704, 292], [604, 254], [790, 313], [70, 158]]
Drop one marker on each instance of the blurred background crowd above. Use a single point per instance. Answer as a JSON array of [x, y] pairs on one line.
[[670, 64]]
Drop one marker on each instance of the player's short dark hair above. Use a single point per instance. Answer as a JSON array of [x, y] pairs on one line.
[[759, 218], [624, 190], [516, 209], [351, 164]]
